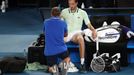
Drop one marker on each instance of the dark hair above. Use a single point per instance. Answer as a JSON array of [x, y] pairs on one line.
[[75, 1], [55, 11]]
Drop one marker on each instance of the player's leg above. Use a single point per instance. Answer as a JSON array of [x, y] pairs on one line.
[[72, 67], [52, 64], [64, 64], [78, 38]]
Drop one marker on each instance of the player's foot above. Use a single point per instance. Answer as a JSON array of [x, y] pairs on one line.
[[71, 67], [63, 68], [83, 69], [55, 70]]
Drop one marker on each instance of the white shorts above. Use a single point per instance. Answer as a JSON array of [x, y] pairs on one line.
[[70, 35]]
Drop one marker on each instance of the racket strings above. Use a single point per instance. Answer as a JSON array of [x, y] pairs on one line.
[[98, 64]]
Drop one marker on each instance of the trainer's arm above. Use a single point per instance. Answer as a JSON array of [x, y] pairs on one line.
[[65, 30]]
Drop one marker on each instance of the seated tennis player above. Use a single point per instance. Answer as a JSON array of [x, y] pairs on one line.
[[74, 18]]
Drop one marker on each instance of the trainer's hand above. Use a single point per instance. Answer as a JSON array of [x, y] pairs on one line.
[[94, 34]]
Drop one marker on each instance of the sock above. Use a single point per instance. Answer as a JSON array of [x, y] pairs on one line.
[[82, 61]]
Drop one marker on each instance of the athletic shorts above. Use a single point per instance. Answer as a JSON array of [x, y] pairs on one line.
[[53, 60], [70, 35]]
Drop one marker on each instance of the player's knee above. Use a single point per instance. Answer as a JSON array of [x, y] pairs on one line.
[[80, 38]]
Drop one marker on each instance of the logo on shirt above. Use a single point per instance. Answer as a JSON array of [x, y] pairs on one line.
[[78, 17]]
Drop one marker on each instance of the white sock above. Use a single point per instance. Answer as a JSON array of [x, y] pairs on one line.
[[82, 61]]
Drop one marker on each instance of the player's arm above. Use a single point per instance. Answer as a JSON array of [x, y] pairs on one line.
[[91, 27], [94, 33], [65, 28], [63, 14], [88, 23]]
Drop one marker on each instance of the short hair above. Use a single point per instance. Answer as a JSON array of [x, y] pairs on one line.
[[75, 1], [55, 11]]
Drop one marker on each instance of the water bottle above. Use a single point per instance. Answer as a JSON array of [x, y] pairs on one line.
[[25, 53], [82, 6], [3, 7]]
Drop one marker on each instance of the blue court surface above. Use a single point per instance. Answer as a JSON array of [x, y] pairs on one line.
[[125, 71]]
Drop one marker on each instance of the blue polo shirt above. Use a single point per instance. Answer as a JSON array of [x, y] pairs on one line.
[[54, 30]]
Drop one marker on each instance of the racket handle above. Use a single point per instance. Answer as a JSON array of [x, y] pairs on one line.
[[97, 44]]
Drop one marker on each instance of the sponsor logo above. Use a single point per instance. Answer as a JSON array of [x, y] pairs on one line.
[[110, 36]]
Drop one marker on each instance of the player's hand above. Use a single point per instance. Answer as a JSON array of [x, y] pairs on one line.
[[94, 34]]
